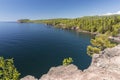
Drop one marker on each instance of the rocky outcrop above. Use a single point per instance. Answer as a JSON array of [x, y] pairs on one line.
[[70, 72], [104, 66], [29, 78], [115, 39]]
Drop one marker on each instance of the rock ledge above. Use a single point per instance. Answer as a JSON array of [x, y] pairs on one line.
[[104, 66]]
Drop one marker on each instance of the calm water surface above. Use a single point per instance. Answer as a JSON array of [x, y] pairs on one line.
[[37, 47]]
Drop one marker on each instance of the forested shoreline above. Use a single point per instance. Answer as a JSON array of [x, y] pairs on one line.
[[103, 26], [95, 24]]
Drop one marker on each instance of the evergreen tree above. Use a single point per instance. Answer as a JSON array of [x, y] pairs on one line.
[[8, 70], [99, 44]]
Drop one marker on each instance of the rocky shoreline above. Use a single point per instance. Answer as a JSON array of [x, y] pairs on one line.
[[74, 28], [104, 66], [115, 39]]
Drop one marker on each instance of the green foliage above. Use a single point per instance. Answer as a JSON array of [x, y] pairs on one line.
[[116, 29], [92, 50], [98, 44], [108, 25], [8, 70], [67, 61], [102, 42], [24, 20], [97, 24]]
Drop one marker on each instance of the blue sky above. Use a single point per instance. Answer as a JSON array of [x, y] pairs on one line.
[[12, 10]]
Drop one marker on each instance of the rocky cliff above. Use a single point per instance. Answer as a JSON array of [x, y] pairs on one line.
[[104, 66]]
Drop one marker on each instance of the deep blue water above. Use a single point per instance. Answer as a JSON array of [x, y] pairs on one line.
[[37, 47]]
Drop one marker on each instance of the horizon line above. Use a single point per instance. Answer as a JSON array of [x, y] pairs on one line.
[[58, 18]]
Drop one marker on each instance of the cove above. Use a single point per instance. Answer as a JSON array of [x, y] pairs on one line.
[[38, 47]]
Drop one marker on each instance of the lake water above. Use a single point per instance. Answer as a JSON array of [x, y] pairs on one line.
[[37, 47]]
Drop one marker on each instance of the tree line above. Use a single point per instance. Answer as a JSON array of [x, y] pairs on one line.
[[94, 24], [105, 26]]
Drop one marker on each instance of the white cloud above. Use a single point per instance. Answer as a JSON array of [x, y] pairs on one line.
[[112, 13]]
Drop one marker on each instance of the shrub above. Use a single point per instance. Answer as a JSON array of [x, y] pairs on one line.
[[67, 61], [98, 44], [8, 70]]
